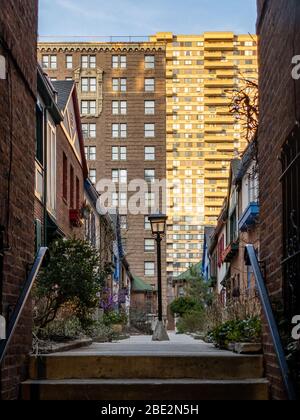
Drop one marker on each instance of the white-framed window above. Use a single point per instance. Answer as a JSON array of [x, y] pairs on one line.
[[69, 62], [149, 153], [149, 200], [90, 152], [149, 269], [147, 224], [119, 61], [51, 163], [89, 131], [150, 175], [150, 62], [49, 62], [149, 107], [249, 53], [119, 107], [124, 222], [88, 61], [119, 131], [88, 107], [119, 85], [149, 245], [149, 130], [119, 176], [149, 85], [119, 153], [93, 175], [88, 84]]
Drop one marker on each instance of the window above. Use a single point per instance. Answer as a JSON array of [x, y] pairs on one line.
[[147, 223], [93, 175], [71, 187], [149, 200], [119, 176], [69, 62], [49, 62], [119, 85], [88, 61], [123, 200], [150, 175], [89, 84], [39, 148], [77, 194], [149, 269], [124, 222], [149, 130], [65, 177], [51, 160], [149, 245], [149, 107], [149, 153], [90, 152], [69, 79], [119, 153], [119, 107], [149, 62], [119, 131], [119, 61], [89, 131], [149, 85], [88, 107]]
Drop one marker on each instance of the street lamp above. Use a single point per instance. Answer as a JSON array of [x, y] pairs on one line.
[[158, 225]]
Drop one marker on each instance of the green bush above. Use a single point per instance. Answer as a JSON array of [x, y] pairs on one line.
[[237, 331], [72, 279], [191, 322], [184, 305], [115, 318]]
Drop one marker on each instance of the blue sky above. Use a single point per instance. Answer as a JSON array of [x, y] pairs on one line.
[[144, 17]]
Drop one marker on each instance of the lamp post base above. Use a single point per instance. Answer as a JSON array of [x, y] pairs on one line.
[[160, 333]]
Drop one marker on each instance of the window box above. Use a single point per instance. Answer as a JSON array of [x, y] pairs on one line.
[[249, 218], [75, 218], [230, 252]]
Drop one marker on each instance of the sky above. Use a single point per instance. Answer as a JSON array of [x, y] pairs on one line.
[[66, 18]]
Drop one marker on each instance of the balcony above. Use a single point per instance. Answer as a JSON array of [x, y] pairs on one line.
[[230, 252], [218, 82], [249, 218]]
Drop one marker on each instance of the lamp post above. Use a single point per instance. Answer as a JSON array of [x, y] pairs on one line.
[[158, 226]]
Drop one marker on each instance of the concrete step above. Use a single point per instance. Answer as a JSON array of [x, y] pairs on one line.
[[212, 366], [148, 390]]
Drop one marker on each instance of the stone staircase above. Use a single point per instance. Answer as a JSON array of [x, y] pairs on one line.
[[204, 376]]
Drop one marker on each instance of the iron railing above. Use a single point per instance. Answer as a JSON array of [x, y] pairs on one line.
[[14, 319], [269, 315]]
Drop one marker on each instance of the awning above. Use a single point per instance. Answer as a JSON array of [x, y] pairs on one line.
[[139, 285]]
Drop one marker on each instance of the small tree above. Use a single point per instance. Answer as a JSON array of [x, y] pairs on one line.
[[72, 278]]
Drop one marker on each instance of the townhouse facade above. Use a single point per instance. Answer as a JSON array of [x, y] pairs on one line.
[[18, 92], [278, 154], [121, 89]]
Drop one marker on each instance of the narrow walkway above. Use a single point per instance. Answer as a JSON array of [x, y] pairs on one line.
[[179, 345]]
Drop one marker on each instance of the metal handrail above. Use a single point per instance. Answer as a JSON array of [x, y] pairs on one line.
[[267, 308], [13, 322]]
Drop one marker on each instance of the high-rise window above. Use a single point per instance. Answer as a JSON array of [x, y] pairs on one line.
[[149, 153], [119, 131], [149, 269], [88, 61], [93, 175], [89, 131], [119, 61], [147, 224], [124, 222], [149, 130], [89, 84], [119, 107], [149, 107], [149, 62], [149, 245], [88, 107], [149, 200], [90, 152], [119, 85], [119, 153], [149, 85], [69, 62], [120, 176], [150, 175], [49, 62]]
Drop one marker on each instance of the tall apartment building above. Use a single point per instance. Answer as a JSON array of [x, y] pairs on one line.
[[121, 89], [202, 72]]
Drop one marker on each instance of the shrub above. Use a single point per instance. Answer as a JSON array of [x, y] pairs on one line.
[[184, 305], [115, 318], [73, 278], [191, 322]]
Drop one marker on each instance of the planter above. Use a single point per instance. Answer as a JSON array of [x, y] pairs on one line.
[[117, 328], [248, 348]]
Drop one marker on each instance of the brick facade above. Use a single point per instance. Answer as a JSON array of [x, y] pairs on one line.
[[135, 73], [18, 21], [279, 40]]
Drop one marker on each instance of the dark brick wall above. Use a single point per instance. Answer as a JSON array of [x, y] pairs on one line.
[[279, 30], [18, 37]]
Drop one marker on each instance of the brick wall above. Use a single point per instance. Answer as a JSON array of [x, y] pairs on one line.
[[18, 37], [278, 36]]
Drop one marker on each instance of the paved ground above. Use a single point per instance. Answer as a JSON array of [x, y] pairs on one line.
[[143, 345]]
